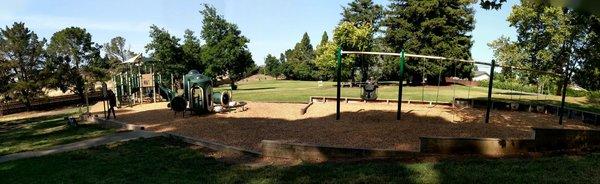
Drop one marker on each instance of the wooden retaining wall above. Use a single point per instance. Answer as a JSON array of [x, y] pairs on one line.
[[544, 140], [316, 153], [492, 147]]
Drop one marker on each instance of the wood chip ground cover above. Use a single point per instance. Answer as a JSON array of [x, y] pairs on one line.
[[361, 126]]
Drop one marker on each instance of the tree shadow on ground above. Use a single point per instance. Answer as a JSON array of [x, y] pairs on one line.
[[162, 160]]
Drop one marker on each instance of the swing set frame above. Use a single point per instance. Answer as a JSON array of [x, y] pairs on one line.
[[402, 63]]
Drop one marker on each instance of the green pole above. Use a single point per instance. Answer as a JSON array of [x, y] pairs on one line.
[[339, 82], [400, 81], [490, 88]]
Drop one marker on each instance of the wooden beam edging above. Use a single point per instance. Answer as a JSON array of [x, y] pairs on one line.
[[318, 154], [320, 99], [491, 147], [552, 139], [212, 145]]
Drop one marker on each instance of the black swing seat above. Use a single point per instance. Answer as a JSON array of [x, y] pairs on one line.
[[369, 91]]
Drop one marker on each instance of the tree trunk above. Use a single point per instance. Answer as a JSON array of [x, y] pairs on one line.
[[232, 84]]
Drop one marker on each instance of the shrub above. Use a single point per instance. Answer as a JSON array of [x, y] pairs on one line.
[[516, 86], [594, 97]]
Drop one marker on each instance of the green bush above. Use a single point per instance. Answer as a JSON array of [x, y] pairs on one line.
[[506, 85], [516, 86], [594, 97]]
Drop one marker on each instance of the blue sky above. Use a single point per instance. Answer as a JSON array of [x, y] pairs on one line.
[[271, 25]]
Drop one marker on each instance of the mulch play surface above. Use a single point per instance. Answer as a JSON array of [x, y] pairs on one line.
[[361, 126]]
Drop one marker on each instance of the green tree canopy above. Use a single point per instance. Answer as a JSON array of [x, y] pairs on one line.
[[226, 51], [165, 51], [299, 63], [363, 12], [549, 38], [437, 27], [192, 51], [21, 61], [272, 66], [72, 50], [324, 38]]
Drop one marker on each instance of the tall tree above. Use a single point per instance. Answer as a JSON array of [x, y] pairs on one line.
[[549, 38], [116, 52], [363, 12], [226, 51], [72, 50], [300, 61], [437, 27], [272, 66], [589, 56], [165, 51], [356, 38], [192, 51], [21, 58], [324, 38]]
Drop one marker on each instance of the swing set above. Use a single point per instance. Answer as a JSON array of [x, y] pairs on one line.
[[402, 62]]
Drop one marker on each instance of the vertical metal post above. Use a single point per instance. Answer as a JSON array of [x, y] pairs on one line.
[[489, 100], [139, 78], [400, 81], [153, 84], [172, 85], [339, 83], [564, 95]]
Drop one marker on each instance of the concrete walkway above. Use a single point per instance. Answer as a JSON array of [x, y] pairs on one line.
[[118, 137]]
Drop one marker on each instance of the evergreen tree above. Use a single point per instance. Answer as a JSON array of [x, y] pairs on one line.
[[324, 38], [436, 27], [300, 60], [363, 12], [21, 59]]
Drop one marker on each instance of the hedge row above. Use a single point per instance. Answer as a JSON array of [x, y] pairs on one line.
[[515, 86]]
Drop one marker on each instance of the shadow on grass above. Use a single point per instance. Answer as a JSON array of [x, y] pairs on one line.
[[162, 160], [254, 89], [43, 133], [513, 93]]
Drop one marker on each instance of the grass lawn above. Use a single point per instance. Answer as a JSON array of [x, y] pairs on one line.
[[161, 160], [300, 91], [43, 132]]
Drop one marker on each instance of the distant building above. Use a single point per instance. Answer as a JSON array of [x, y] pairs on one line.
[[480, 76]]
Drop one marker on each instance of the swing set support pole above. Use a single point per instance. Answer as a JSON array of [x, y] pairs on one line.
[[400, 81], [339, 82], [490, 88]]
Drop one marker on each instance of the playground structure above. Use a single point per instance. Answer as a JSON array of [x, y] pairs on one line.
[[198, 96], [138, 83], [134, 84]]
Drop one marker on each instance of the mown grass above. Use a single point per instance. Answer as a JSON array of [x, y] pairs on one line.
[[161, 160], [300, 91], [43, 132]]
